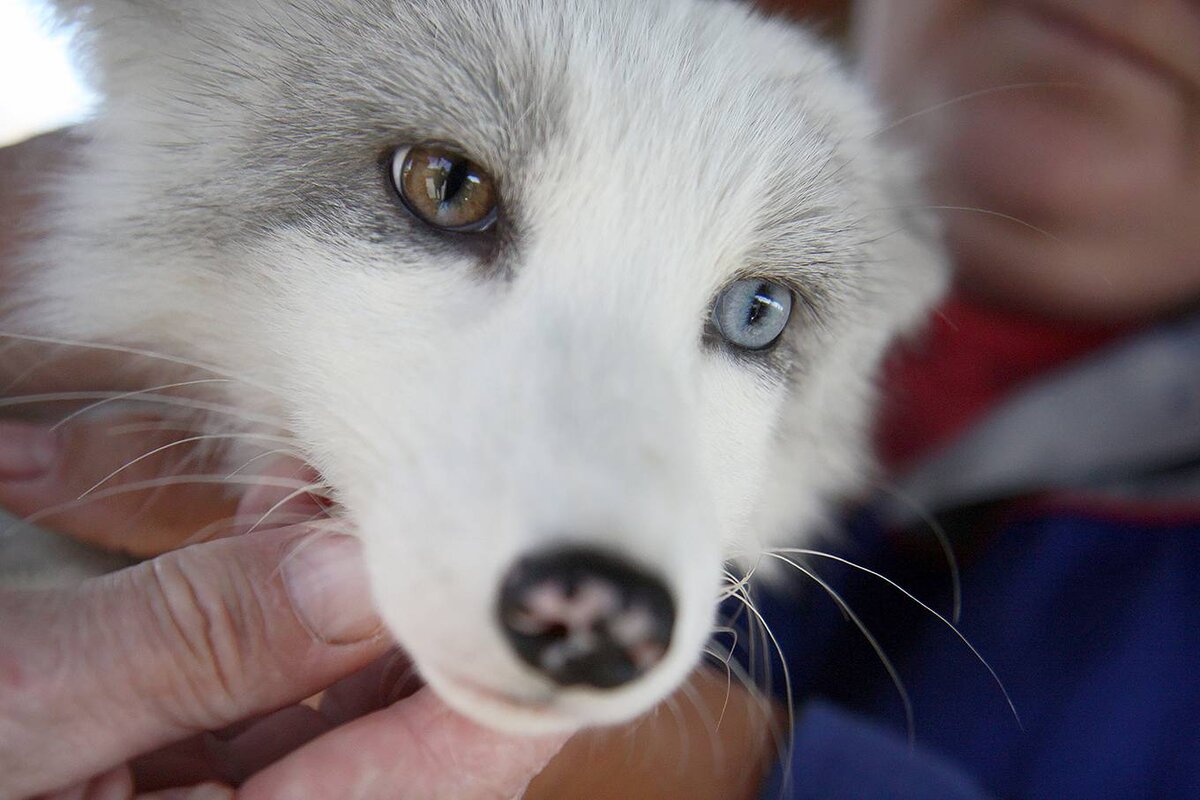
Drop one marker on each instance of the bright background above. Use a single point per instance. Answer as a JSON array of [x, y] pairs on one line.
[[39, 89]]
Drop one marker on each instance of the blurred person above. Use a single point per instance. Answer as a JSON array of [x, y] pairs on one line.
[[1048, 425]]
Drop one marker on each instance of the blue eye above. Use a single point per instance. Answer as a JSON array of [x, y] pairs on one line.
[[752, 314]]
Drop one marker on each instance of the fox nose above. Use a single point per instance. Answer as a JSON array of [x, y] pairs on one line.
[[584, 618]]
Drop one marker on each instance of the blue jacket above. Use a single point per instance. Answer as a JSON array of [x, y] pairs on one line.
[[1074, 509]]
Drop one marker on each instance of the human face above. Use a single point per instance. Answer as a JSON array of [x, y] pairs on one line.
[[1086, 129]]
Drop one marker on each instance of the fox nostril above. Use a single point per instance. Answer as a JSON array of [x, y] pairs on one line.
[[581, 617]]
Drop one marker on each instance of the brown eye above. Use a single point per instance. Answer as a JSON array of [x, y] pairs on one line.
[[445, 189]]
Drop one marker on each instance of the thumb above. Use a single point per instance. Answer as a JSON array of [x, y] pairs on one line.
[[194, 640]]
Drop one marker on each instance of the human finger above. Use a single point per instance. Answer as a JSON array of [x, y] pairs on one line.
[[385, 681], [417, 749], [191, 641], [234, 754]]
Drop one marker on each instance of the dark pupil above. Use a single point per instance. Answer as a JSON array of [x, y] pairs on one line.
[[454, 175], [760, 306]]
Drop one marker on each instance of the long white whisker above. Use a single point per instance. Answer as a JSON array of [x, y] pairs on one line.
[[740, 588], [734, 669], [137, 351], [116, 398], [236, 521], [170, 480], [782, 740], [180, 426], [871, 640], [284, 451], [309, 489], [789, 697], [167, 400], [710, 724], [999, 215], [832, 176], [943, 540], [21, 376], [1012, 706], [735, 583], [1011, 87], [725, 661], [169, 446]]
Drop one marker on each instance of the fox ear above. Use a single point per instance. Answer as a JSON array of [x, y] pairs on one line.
[[115, 17], [85, 10], [122, 44]]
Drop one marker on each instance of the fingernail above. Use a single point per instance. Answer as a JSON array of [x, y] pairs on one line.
[[27, 451], [326, 578]]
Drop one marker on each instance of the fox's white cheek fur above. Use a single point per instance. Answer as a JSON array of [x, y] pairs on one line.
[[516, 430], [547, 449]]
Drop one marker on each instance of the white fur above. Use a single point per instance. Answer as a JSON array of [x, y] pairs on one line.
[[229, 207]]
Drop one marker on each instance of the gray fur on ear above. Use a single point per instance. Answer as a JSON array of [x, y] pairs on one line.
[[122, 42]]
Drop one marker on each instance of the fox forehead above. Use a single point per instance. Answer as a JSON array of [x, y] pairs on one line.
[[282, 114]]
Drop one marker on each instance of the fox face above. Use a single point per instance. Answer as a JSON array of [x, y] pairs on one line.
[[570, 303]]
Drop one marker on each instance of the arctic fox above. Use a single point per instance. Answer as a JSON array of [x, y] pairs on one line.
[[571, 302]]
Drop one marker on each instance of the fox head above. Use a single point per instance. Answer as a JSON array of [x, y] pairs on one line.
[[571, 303]]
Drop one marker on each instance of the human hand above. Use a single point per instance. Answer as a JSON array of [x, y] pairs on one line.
[[213, 635], [92, 678], [305, 751]]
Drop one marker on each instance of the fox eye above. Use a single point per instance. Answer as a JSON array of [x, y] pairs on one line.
[[444, 189], [752, 314]]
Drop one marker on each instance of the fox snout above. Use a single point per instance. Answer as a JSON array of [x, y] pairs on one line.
[[581, 617]]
